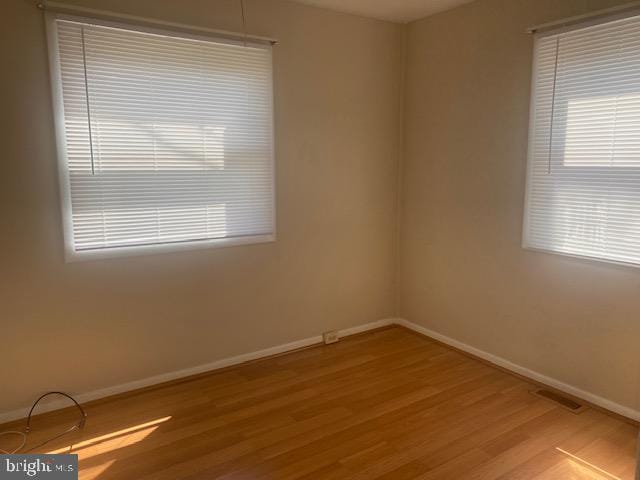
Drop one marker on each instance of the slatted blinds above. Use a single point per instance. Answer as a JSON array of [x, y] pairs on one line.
[[584, 157], [168, 139]]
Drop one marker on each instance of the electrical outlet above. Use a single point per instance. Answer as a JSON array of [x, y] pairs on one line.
[[330, 337]]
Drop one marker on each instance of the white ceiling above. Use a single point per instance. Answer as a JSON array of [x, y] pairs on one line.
[[401, 11]]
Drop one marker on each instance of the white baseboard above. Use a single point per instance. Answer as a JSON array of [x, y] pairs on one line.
[[166, 377], [227, 362], [537, 377]]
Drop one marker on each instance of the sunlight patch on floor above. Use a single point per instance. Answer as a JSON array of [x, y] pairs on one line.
[[95, 472], [111, 441], [580, 465]]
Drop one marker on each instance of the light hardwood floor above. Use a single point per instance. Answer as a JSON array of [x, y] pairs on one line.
[[389, 404]]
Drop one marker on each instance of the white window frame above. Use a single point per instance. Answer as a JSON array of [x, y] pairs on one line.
[[70, 253], [537, 36]]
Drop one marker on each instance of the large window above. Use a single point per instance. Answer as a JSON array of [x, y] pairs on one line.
[[165, 140], [583, 181]]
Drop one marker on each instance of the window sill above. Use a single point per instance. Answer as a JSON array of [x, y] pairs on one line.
[[72, 256], [584, 258]]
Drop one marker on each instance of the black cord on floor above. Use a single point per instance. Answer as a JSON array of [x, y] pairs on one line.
[[78, 426]]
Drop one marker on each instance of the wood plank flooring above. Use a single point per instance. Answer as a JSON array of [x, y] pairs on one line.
[[384, 405]]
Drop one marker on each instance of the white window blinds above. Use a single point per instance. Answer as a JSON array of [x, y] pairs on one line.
[[583, 181], [167, 140]]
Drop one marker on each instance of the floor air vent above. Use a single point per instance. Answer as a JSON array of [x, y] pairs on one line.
[[562, 401]]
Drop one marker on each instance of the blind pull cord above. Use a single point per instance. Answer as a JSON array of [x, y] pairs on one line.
[[86, 91], [244, 23], [553, 104]]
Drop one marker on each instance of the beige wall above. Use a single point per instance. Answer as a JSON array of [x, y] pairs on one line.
[[89, 325], [463, 272]]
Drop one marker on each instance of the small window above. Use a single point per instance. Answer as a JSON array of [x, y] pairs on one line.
[[165, 140], [583, 180]]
